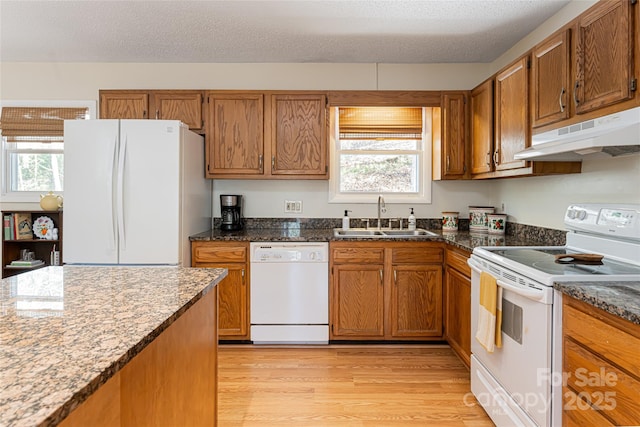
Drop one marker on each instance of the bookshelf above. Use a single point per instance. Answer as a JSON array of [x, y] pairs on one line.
[[12, 247]]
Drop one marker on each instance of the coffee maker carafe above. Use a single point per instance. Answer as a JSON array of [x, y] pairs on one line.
[[231, 212]]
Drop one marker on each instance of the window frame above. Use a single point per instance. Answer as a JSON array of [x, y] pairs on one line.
[[423, 196], [8, 196]]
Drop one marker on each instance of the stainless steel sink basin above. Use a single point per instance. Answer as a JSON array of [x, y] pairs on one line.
[[381, 234], [356, 232]]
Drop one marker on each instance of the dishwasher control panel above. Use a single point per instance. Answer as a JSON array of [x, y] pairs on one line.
[[289, 252]]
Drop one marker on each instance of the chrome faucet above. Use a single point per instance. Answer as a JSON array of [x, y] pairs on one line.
[[381, 209]]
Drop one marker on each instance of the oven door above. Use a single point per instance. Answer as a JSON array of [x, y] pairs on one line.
[[514, 380]]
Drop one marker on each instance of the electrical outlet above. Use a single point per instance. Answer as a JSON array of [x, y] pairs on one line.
[[293, 206]]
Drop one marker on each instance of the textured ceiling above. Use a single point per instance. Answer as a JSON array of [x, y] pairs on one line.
[[389, 31]]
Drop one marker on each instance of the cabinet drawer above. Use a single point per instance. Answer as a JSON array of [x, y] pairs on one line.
[[600, 336], [458, 261], [358, 255], [416, 255], [609, 389], [578, 413], [218, 253]]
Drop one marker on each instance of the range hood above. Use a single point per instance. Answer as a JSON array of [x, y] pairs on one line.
[[614, 135]]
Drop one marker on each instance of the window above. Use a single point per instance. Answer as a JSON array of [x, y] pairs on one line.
[[33, 146], [380, 150]]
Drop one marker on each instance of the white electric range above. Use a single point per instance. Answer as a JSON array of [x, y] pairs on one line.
[[517, 384]]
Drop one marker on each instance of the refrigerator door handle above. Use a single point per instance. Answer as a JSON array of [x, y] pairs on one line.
[[120, 192], [111, 192]]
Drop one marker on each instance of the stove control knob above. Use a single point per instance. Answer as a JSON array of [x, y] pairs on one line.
[[581, 214], [571, 213]]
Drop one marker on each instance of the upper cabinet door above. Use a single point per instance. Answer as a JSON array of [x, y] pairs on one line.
[[185, 106], [235, 134], [551, 79], [454, 138], [482, 128], [604, 56], [299, 135], [124, 105], [513, 133]]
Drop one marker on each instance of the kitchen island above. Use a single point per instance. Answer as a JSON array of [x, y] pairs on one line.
[[78, 343]]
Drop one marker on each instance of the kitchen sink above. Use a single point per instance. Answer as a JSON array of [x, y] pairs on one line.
[[381, 234]]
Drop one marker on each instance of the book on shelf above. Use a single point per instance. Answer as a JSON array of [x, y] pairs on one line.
[[17, 226], [23, 226], [25, 263], [7, 223]]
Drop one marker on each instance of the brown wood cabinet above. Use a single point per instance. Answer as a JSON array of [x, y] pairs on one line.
[[601, 366], [450, 137], [482, 128], [267, 135], [183, 105], [512, 127], [40, 247], [500, 127], [235, 134], [551, 79], [233, 291], [173, 381], [457, 302], [298, 135], [604, 55], [385, 291], [124, 104], [596, 59]]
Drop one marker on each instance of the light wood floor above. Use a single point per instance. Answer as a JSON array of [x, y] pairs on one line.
[[345, 386]]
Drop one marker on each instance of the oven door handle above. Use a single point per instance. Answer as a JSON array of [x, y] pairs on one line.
[[527, 293]]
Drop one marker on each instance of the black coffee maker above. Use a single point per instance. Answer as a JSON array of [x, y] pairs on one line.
[[231, 212]]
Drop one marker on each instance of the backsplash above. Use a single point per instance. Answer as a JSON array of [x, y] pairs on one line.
[[539, 235]]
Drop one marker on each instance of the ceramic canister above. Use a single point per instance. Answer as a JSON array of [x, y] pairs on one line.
[[478, 221], [450, 221], [497, 223]]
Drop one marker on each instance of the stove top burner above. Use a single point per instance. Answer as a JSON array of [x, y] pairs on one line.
[[543, 259]]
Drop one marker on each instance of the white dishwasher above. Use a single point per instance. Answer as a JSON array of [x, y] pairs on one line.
[[289, 293]]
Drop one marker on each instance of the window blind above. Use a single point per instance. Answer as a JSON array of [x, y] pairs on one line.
[[41, 124], [380, 122]]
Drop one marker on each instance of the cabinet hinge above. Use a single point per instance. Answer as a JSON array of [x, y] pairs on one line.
[[332, 328], [528, 64], [633, 2], [633, 86]]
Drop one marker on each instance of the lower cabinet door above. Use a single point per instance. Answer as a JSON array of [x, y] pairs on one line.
[[357, 307], [233, 322], [458, 313], [416, 301]]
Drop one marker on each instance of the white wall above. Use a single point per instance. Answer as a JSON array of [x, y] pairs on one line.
[[536, 201]]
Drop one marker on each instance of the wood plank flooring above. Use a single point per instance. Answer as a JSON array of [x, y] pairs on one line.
[[345, 386]]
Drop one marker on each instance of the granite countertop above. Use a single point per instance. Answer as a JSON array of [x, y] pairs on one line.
[[64, 331], [621, 299], [461, 239]]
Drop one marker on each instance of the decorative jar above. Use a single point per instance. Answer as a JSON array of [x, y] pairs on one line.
[[478, 221], [497, 223], [450, 221]]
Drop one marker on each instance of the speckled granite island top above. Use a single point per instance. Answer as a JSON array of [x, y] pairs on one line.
[[64, 331], [621, 299]]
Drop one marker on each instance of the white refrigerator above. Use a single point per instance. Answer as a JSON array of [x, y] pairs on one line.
[[134, 190]]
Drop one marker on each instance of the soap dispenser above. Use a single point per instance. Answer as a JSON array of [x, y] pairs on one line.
[[345, 220], [411, 222]]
